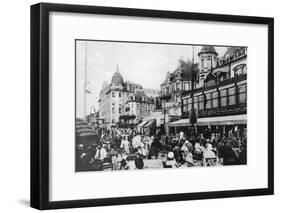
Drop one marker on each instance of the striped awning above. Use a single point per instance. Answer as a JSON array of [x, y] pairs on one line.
[[142, 123], [150, 123], [82, 129], [213, 121]]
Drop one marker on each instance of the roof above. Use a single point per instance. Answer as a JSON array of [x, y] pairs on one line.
[[139, 95], [210, 76], [231, 51], [207, 49], [117, 78], [185, 68]]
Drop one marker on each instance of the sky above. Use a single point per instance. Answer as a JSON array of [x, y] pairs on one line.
[[142, 63]]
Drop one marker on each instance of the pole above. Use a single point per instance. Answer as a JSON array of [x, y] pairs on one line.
[[86, 81], [192, 88], [192, 80], [164, 123]]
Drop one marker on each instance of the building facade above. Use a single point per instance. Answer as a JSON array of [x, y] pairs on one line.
[[222, 88], [174, 86], [140, 105], [121, 98]]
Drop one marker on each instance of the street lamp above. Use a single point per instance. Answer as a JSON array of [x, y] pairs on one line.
[[192, 116]]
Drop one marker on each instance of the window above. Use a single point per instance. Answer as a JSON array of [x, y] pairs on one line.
[[163, 90], [208, 101], [215, 102], [232, 96], [240, 69], [167, 90], [185, 105], [223, 97], [113, 94], [120, 94], [189, 104], [113, 110], [195, 100], [201, 102], [178, 86], [186, 85], [242, 94], [120, 109]]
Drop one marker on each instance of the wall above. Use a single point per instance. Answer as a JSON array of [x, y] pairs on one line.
[[14, 87]]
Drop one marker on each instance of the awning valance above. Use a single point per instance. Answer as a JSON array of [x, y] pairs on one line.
[[213, 121]]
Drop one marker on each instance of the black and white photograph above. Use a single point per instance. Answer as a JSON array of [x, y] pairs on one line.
[[149, 106]]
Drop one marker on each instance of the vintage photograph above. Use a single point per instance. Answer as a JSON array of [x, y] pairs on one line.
[[155, 106]]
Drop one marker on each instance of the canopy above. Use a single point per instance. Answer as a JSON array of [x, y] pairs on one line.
[[150, 123], [85, 134], [142, 123], [214, 121]]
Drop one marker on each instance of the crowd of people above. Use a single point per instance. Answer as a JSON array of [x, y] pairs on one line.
[[126, 149]]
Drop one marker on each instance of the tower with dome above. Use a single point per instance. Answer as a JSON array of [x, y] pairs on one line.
[[207, 62]]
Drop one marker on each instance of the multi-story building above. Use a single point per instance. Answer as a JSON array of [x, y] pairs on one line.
[[140, 105], [221, 95], [117, 95], [174, 86]]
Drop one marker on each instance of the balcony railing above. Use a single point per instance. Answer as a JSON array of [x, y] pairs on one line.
[[221, 111]]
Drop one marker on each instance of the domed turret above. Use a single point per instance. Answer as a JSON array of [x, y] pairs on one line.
[[207, 62], [208, 49], [117, 78]]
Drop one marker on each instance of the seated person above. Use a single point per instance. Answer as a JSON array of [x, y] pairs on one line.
[[171, 160]]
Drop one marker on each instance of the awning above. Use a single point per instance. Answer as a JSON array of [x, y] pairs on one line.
[[150, 123], [142, 123], [82, 129], [213, 121]]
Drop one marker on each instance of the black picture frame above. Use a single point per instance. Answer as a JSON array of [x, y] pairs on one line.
[[40, 104]]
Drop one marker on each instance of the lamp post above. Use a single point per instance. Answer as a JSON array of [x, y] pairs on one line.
[[192, 116], [164, 112]]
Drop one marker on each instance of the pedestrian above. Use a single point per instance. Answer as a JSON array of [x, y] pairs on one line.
[[221, 151], [139, 161], [124, 163], [189, 159], [113, 153], [209, 155], [181, 135], [155, 147], [100, 152], [125, 145]]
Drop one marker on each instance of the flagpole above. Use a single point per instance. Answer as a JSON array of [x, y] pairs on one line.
[[86, 80]]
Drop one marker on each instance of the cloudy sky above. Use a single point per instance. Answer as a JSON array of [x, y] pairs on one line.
[[146, 64]]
